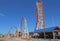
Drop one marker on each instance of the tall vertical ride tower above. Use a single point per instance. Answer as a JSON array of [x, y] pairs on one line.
[[39, 16]]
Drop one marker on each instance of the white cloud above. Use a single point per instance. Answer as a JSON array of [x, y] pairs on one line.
[[1, 14]]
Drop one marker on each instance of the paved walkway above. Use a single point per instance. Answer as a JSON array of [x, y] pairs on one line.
[[4, 39]]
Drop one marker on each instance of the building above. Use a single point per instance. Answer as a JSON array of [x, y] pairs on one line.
[[52, 32], [1, 35]]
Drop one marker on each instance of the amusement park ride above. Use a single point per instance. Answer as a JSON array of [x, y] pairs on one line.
[[39, 30], [40, 24], [19, 34]]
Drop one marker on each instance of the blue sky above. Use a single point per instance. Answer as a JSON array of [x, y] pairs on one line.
[[11, 12]]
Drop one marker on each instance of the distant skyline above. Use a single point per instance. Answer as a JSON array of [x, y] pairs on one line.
[[11, 12]]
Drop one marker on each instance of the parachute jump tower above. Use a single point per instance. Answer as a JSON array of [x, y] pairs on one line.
[[40, 24]]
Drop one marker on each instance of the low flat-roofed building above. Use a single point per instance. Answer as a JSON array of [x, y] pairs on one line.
[[1, 35], [52, 32]]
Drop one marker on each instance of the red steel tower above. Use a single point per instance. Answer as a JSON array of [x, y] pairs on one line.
[[39, 16]]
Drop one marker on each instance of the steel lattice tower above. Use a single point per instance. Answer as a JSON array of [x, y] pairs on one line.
[[39, 16]]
